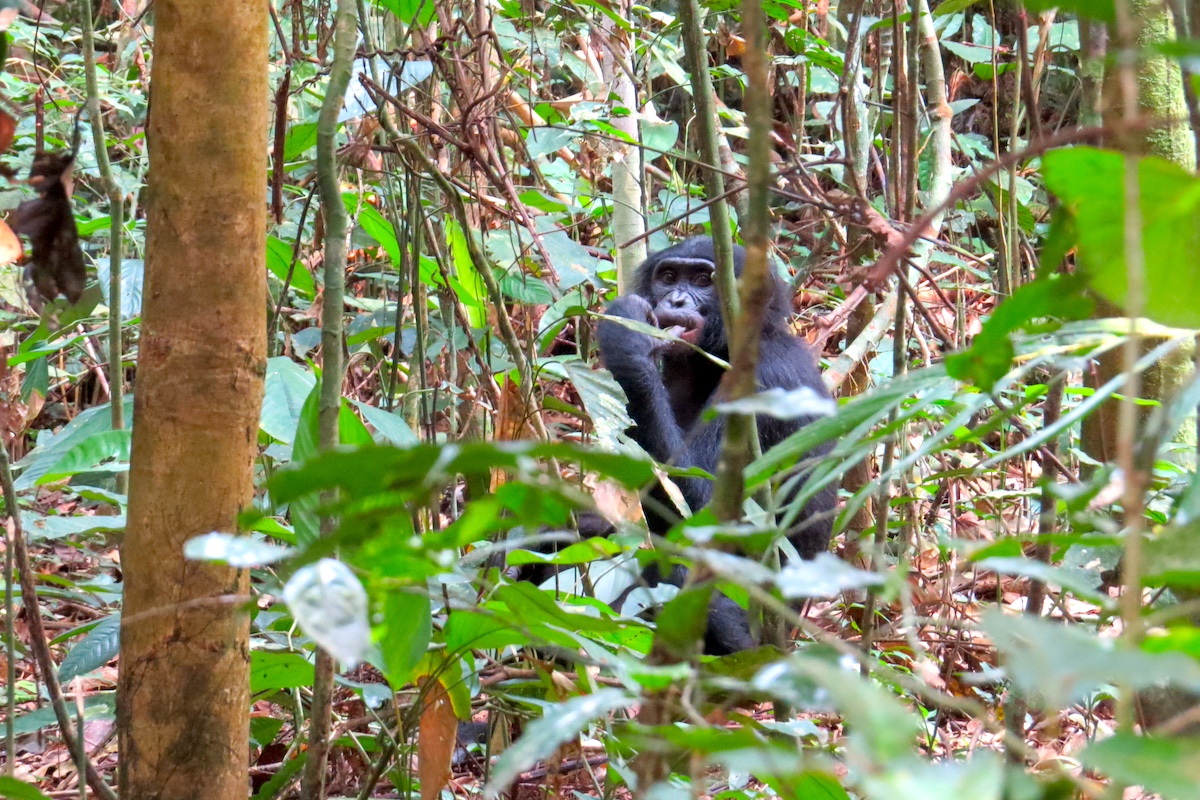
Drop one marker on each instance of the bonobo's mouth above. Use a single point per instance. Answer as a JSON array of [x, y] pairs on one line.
[[687, 325]]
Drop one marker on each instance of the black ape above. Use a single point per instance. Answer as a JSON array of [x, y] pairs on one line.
[[668, 386]]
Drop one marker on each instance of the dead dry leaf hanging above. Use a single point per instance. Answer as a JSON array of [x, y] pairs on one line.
[[10, 245]]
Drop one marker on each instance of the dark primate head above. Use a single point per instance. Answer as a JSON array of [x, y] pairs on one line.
[[679, 284]]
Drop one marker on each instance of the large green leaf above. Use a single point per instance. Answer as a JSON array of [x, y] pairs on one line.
[[279, 262], [108, 451], [407, 629], [287, 386], [1091, 182]]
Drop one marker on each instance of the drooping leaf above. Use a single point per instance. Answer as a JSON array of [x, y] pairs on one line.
[[97, 648], [91, 455], [279, 262], [287, 386], [133, 272], [981, 777], [407, 629]]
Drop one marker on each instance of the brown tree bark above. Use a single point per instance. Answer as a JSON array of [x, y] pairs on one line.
[[183, 712]]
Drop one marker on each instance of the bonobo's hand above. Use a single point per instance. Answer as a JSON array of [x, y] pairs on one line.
[[620, 345]]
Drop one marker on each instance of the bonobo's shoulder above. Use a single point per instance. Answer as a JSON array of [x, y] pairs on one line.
[[787, 361]]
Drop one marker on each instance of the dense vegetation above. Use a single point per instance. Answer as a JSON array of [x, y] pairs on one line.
[[992, 240]]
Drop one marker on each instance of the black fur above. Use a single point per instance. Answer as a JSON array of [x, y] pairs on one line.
[[669, 386]]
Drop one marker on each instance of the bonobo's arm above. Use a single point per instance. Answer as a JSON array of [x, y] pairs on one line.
[[629, 355]]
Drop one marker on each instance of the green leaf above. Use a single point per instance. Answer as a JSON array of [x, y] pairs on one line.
[[681, 623], [287, 386], [376, 226], [52, 449], [271, 671], [92, 454], [99, 706], [526, 289], [279, 261], [880, 726], [1169, 767], [1099, 10], [659, 136], [133, 272], [466, 630], [410, 12], [100, 646], [981, 777], [19, 790], [466, 280], [407, 630], [604, 400], [952, 7], [544, 140], [304, 508], [1173, 556], [1091, 182], [543, 736], [300, 138], [971, 53], [991, 353], [389, 425], [374, 469], [351, 430], [1055, 664]]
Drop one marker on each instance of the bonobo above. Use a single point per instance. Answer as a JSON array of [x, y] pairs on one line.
[[670, 384]]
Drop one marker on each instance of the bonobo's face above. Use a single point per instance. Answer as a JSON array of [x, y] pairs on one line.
[[683, 296]]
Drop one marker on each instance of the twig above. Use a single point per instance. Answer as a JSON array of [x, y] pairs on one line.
[[116, 229], [332, 365]]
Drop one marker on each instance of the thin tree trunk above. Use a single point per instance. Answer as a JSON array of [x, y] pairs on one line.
[[183, 710], [1160, 96]]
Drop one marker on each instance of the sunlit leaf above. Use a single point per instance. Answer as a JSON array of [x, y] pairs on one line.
[[330, 606], [234, 550]]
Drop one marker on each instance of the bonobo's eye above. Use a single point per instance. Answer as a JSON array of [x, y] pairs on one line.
[[666, 276], [702, 279]]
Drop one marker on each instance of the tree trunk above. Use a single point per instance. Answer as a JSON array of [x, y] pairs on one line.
[[184, 691], [1160, 96]]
